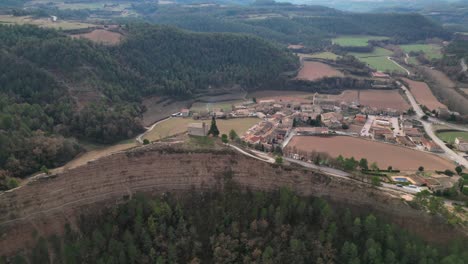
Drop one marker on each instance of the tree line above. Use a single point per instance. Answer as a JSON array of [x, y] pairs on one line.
[[44, 72], [236, 227]]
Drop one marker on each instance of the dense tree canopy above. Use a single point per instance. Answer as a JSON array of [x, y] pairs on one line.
[[238, 227], [52, 86]]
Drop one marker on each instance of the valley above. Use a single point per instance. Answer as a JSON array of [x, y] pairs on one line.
[[125, 124]]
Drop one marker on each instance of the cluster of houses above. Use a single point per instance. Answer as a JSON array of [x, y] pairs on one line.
[[396, 130], [279, 117]]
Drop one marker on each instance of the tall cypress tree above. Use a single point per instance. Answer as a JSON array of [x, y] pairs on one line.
[[214, 128]]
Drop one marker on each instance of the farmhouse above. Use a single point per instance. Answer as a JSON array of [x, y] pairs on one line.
[[382, 133], [184, 112], [310, 131], [412, 132], [332, 119], [461, 144], [405, 141], [197, 129], [429, 145], [360, 118]]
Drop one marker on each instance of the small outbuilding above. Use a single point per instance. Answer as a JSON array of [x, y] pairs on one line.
[[197, 129]]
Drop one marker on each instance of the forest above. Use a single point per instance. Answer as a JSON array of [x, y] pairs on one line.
[[237, 227], [44, 72], [310, 25]]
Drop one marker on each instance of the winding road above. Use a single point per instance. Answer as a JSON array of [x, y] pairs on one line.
[[390, 58], [450, 154]]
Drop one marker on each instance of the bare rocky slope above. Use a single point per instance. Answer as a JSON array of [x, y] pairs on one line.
[[42, 207]]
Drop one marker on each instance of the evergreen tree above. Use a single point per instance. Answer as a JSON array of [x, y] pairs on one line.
[[213, 128]]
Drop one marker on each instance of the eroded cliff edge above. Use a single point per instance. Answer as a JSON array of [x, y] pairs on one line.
[[43, 206]]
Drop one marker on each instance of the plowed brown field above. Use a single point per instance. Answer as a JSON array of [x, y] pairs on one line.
[[101, 36], [313, 70], [423, 94], [376, 98], [384, 154]]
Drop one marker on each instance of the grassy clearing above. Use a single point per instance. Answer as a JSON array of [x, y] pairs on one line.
[[377, 52], [449, 136], [43, 22], [377, 59], [324, 55], [174, 126], [355, 41], [431, 51], [226, 106], [413, 61]]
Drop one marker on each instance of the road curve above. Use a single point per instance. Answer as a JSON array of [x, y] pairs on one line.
[[390, 58], [430, 132]]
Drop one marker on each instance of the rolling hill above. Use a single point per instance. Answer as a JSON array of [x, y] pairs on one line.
[[55, 88]]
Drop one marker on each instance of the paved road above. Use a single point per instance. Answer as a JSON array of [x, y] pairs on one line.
[[327, 170], [450, 154], [139, 138]]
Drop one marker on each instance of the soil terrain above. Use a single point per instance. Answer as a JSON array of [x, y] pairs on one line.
[[375, 98], [313, 70], [423, 94], [43, 206], [384, 154], [101, 36]]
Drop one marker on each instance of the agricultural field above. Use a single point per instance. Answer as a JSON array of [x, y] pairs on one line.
[[449, 136], [355, 41], [321, 55], [44, 22], [374, 98], [175, 126], [383, 154], [312, 71], [413, 61], [225, 105], [101, 36], [377, 59], [96, 152], [98, 5], [430, 50], [423, 94], [299, 96]]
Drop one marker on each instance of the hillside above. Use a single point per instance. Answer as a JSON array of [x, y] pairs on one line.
[[310, 25], [54, 86], [46, 205]]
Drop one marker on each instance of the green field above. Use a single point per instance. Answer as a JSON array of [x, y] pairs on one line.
[[43, 22], [449, 136], [377, 59], [413, 61], [431, 51], [175, 126], [324, 55], [355, 41]]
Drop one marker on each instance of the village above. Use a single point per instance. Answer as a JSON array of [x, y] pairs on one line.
[[282, 118]]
